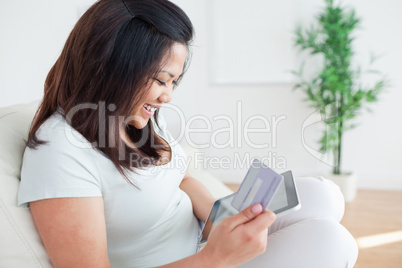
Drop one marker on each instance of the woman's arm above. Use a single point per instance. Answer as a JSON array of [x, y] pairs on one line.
[[73, 231], [201, 198]]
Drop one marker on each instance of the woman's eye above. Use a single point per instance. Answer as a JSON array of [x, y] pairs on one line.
[[161, 82]]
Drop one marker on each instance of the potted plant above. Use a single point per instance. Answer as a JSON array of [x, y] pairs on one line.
[[335, 89]]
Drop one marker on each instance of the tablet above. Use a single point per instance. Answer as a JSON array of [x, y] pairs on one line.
[[286, 198], [284, 201]]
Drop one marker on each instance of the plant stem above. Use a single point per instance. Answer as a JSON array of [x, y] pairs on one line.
[[337, 168], [338, 149]]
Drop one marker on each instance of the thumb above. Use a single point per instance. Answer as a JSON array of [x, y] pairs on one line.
[[245, 215]]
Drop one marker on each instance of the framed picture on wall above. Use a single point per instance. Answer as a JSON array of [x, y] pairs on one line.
[[251, 42]]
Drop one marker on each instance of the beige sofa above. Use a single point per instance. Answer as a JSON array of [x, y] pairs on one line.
[[20, 244]]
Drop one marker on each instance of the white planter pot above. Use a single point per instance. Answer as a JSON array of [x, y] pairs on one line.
[[347, 184]]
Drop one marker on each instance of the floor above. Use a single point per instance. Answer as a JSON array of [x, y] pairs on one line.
[[374, 218]]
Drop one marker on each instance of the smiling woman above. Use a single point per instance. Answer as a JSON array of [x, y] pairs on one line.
[[102, 174]]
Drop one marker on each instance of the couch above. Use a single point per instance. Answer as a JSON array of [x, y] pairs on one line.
[[20, 244]]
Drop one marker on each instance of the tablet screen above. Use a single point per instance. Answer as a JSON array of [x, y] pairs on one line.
[[286, 198]]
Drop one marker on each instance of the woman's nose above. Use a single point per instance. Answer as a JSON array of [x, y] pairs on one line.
[[166, 95]]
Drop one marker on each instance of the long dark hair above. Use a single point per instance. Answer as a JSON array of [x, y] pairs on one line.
[[112, 53]]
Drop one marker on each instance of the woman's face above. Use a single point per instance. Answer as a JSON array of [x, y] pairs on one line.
[[161, 87]]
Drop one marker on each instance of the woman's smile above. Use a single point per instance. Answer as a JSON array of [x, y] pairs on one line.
[[149, 109]]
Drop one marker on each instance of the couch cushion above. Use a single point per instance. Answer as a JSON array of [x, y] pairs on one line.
[[20, 244]]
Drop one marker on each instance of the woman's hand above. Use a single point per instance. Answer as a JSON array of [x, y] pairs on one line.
[[239, 238]]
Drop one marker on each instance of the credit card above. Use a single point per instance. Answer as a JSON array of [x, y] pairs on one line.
[[259, 186]]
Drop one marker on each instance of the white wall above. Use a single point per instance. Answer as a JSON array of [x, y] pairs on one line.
[[373, 150], [33, 34]]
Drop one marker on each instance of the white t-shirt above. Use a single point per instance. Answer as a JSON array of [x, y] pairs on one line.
[[149, 226]]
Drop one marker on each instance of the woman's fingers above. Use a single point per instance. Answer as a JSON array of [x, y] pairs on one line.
[[253, 218], [244, 216], [262, 222]]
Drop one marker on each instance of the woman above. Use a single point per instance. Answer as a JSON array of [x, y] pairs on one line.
[[99, 170]]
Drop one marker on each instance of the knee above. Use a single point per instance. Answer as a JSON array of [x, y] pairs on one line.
[[313, 243], [321, 195]]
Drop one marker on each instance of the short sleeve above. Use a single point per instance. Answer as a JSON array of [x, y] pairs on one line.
[[59, 168]]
